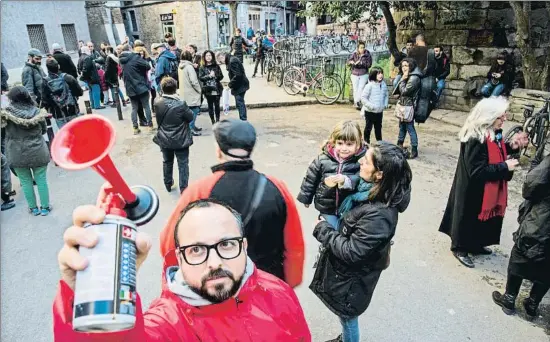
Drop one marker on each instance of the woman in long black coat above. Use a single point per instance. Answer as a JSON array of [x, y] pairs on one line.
[[477, 202], [530, 257], [354, 255]]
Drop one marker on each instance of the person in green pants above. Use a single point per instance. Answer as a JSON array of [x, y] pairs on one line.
[[26, 148]]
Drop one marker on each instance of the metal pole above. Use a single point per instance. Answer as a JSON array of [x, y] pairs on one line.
[[207, 30], [117, 102]]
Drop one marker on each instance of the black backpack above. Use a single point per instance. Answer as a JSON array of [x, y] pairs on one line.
[[59, 90], [173, 63]]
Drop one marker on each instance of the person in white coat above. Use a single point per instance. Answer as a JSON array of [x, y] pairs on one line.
[[374, 99], [190, 88]]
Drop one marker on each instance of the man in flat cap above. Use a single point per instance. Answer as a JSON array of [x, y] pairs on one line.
[[270, 218], [32, 75]]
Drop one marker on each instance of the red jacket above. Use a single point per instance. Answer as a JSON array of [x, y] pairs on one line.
[[267, 310], [294, 255]]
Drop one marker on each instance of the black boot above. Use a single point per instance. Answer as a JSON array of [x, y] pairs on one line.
[[507, 301], [400, 144], [414, 152], [531, 307], [337, 339]]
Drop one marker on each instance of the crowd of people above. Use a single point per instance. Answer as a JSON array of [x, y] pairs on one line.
[[235, 280]]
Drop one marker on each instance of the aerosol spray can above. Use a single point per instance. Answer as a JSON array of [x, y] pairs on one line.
[[105, 292]]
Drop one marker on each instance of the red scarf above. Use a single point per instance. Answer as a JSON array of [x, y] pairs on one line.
[[495, 195]]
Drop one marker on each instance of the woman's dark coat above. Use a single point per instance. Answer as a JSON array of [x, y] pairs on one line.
[[530, 257], [408, 89], [24, 127], [238, 82], [327, 200], [460, 220], [173, 119], [111, 70], [88, 70], [355, 255], [204, 76]]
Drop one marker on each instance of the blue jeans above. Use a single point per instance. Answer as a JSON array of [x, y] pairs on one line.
[[490, 89], [195, 111], [95, 95], [405, 127], [440, 87], [332, 219], [350, 329], [241, 106], [120, 94]]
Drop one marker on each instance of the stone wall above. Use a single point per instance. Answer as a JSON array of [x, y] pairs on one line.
[[472, 46], [521, 97], [97, 18], [188, 17]]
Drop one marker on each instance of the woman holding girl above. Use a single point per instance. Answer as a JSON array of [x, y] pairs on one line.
[[374, 99], [210, 75], [355, 254]]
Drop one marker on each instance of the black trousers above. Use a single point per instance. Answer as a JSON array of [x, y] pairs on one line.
[[153, 96], [373, 119], [183, 166], [213, 107], [259, 60], [538, 291]]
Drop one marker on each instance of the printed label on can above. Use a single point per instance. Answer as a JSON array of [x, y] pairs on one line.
[[127, 293], [96, 283]]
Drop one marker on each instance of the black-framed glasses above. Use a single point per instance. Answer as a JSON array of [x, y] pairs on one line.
[[197, 254]]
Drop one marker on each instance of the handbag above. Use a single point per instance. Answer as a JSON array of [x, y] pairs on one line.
[[404, 113]]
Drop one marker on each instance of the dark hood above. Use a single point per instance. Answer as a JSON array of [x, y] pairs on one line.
[[126, 57], [402, 202]]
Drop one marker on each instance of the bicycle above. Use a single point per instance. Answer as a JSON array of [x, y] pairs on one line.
[[537, 126], [326, 87]]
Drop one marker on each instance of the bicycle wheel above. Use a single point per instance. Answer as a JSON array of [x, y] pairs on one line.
[[279, 76], [289, 81], [541, 129], [327, 90]]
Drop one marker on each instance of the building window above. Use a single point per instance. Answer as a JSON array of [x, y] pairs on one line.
[[168, 26], [69, 36], [124, 17], [37, 37], [133, 21], [254, 21]]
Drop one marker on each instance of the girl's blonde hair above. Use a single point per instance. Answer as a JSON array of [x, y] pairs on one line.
[[346, 130], [479, 123], [140, 49]]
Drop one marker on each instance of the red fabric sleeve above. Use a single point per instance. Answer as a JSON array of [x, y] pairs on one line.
[[294, 255], [63, 317], [200, 189], [159, 324]]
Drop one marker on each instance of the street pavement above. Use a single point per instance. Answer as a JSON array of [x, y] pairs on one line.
[[425, 295]]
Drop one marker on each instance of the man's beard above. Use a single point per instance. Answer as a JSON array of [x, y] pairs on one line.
[[221, 294]]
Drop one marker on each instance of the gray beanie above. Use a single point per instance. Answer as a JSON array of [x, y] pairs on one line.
[[34, 52], [56, 47]]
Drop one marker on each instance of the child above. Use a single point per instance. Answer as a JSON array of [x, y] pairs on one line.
[[333, 175], [374, 99]]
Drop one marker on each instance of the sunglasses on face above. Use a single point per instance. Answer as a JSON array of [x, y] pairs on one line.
[[197, 254]]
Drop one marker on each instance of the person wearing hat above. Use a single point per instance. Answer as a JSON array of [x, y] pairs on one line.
[[32, 75], [167, 63], [270, 218], [65, 61]]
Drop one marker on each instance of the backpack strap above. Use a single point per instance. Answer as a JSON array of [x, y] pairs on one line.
[[256, 199]]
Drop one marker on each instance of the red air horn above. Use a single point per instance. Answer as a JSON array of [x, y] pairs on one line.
[[86, 142]]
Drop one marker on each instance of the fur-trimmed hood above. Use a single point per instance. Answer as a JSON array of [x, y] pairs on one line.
[[26, 116]]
